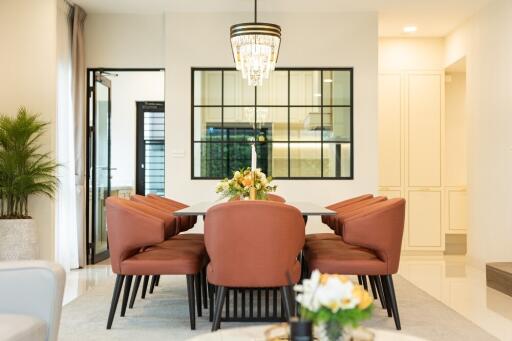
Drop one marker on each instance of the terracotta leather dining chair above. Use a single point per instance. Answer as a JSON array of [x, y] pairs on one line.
[[136, 233], [370, 246], [253, 244], [190, 220], [275, 197], [165, 208], [326, 219]]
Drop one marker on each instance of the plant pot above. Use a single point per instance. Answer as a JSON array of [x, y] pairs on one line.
[[18, 239]]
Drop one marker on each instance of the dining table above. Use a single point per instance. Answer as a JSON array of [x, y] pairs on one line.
[[255, 304]]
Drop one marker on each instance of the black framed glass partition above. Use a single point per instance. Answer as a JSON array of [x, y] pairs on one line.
[[301, 121]]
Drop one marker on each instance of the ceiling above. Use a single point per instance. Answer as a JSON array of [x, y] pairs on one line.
[[434, 18]]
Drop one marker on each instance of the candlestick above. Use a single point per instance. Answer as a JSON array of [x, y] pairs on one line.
[[254, 157]]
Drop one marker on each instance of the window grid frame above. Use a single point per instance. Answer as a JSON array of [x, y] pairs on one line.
[[255, 106]]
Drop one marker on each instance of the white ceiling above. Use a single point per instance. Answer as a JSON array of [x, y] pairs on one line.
[[434, 18]]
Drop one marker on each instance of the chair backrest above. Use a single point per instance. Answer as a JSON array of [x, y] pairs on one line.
[[177, 204], [253, 243], [186, 222], [275, 197], [33, 288], [379, 227], [131, 226], [347, 211], [158, 208], [350, 201]]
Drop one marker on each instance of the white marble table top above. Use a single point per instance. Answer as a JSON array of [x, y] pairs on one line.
[[306, 208], [257, 333]]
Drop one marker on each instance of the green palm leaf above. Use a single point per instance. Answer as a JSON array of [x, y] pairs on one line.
[[24, 170]]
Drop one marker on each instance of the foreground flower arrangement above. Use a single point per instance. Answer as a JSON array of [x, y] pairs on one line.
[[243, 180], [333, 302]]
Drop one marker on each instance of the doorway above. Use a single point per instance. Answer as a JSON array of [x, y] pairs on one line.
[[113, 148]]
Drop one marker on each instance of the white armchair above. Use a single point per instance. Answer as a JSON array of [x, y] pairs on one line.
[[30, 300]]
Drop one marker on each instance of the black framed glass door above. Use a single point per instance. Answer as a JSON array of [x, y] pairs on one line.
[[150, 154], [99, 164]]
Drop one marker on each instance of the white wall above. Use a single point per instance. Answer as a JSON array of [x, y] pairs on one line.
[[486, 41], [308, 40], [127, 89], [124, 40], [28, 78], [398, 54]]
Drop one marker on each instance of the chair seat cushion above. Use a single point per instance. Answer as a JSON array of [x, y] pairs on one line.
[[321, 236], [171, 257], [190, 236], [16, 327], [338, 257]]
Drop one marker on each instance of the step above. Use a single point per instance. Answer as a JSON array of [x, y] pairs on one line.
[[499, 276]]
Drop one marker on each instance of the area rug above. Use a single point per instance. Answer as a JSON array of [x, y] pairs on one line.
[[163, 315]]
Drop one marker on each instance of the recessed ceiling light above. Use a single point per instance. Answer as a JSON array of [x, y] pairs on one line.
[[410, 29], [328, 80]]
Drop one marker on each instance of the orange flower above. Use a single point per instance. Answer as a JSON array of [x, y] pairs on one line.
[[247, 181]]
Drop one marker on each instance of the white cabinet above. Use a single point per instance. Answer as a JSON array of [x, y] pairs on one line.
[[412, 130]]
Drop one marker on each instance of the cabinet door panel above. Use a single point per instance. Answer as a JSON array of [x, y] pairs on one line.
[[424, 217], [390, 130], [390, 193], [457, 210], [424, 135]]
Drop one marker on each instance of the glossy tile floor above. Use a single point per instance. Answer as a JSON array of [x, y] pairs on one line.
[[447, 278], [461, 287]]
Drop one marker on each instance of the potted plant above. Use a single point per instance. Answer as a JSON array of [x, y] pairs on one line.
[[333, 303], [24, 171]]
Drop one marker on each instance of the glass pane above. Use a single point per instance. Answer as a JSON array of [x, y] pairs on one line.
[[239, 124], [336, 89], [207, 124], [305, 124], [336, 124], [278, 160], [305, 160], [154, 167], [305, 88], [274, 90], [236, 156], [272, 124], [207, 87], [102, 165], [208, 161], [236, 89], [336, 160]]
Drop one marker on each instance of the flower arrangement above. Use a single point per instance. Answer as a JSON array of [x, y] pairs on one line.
[[239, 186], [333, 302]]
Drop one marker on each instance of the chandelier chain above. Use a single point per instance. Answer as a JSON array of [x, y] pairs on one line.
[[255, 11]]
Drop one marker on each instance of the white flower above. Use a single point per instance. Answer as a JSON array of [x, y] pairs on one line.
[[237, 175]]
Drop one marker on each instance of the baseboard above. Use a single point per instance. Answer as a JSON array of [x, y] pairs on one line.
[[421, 253]]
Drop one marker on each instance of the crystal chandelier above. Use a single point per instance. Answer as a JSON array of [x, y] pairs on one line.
[[255, 48]]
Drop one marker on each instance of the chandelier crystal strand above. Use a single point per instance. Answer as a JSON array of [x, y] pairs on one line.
[[255, 49]]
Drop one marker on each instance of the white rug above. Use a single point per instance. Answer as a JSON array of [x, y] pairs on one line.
[[163, 315]]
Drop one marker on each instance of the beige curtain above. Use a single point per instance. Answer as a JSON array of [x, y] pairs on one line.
[[78, 92]]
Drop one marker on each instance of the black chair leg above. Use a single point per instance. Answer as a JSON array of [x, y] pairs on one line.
[[115, 299], [204, 288], [144, 287], [157, 280], [191, 301], [365, 284], [126, 295], [372, 285], [392, 300], [219, 302], [197, 279], [285, 293], [382, 298], [386, 294], [134, 291], [210, 296], [152, 286]]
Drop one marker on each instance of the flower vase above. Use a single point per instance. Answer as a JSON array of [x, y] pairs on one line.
[[330, 330]]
